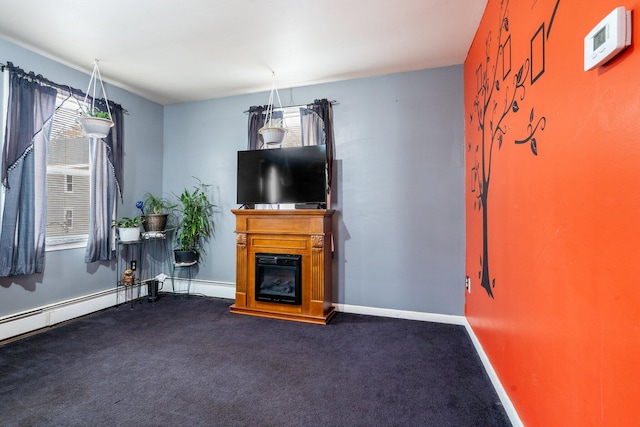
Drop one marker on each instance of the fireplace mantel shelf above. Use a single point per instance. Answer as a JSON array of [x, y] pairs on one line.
[[305, 232]]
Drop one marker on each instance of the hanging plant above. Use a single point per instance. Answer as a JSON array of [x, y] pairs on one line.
[[273, 131], [95, 123]]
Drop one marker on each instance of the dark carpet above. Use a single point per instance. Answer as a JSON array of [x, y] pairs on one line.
[[188, 362]]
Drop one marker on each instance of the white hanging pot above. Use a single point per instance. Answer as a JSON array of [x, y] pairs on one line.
[[273, 132], [95, 127], [273, 135]]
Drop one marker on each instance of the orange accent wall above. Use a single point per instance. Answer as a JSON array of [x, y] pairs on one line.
[[562, 327]]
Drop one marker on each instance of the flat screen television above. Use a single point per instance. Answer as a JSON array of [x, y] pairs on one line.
[[283, 175]]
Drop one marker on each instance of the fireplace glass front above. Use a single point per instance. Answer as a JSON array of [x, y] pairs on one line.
[[278, 278]]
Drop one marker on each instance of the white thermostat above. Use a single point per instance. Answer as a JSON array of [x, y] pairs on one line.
[[608, 38]]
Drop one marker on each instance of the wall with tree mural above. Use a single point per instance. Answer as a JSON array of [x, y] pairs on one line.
[[552, 212]]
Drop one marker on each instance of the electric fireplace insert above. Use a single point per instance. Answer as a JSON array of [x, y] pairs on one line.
[[278, 278]]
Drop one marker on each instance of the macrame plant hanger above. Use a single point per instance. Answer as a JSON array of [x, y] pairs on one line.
[[94, 123], [273, 132]]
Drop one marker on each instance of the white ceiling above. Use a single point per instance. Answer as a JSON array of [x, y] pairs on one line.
[[172, 51]]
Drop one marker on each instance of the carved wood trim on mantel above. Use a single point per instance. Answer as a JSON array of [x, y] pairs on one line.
[[300, 232], [317, 241]]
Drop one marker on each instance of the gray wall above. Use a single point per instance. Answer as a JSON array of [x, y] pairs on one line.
[[399, 227], [66, 274]]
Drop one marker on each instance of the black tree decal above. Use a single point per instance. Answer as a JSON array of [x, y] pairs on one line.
[[496, 100]]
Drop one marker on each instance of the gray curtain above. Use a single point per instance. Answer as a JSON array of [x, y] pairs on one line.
[[256, 121], [100, 243], [27, 132], [311, 127], [106, 182], [115, 143], [324, 110]]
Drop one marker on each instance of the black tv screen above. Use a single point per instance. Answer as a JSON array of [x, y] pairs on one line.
[[282, 175]]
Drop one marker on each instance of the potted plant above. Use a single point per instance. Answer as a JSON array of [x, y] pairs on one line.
[[273, 132], [95, 123], [128, 228], [157, 211], [195, 223]]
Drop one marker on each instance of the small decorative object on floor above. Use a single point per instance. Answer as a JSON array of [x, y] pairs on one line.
[[128, 277]]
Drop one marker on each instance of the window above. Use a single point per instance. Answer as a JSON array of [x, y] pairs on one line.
[[38, 214], [67, 179], [291, 118], [68, 218], [69, 184]]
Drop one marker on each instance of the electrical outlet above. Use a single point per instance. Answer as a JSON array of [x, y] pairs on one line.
[[134, 264], [467, 284]]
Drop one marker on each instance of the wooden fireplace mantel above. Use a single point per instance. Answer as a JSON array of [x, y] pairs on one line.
[[305, 232]]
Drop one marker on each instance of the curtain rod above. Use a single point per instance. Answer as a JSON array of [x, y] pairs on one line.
[[334, 102], [44, 80]]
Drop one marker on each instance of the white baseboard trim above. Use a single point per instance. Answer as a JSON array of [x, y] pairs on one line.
[[49, 315], [497, 385], [401, 314], [206, 288], [52, 314]]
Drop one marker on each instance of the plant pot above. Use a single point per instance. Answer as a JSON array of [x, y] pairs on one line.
[[273, 135], [154, 222], [129, 234], [185, 257], [95, 127]]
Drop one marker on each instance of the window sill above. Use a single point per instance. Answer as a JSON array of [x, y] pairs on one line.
[[71, 243]]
